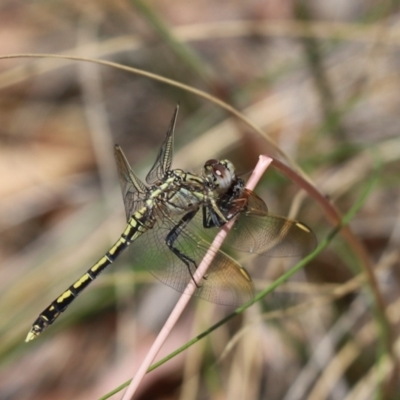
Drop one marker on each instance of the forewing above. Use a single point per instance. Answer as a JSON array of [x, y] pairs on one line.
[[226, 281], [270, 235], [257, 231], [133, 189], [254, 202], [164, 158]]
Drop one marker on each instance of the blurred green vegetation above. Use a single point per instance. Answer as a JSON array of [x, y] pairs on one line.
[[319, 78]]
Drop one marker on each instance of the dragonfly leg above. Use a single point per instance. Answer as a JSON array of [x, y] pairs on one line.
[[173, 235], [211, 219], [228, 208]]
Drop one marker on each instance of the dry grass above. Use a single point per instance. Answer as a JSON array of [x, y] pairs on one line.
[[324, 92]]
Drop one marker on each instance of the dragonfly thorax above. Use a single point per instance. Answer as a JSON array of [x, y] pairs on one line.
[[179, 193]]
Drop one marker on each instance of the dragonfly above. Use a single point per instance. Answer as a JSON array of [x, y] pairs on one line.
[[164, 217]]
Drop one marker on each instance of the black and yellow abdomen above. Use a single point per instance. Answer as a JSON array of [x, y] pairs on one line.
[[136, 226]]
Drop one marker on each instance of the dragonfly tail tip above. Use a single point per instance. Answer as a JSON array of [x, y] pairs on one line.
[[30, 336]]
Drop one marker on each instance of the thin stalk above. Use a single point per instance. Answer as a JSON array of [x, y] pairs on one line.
[[282, 279], [201, 270]]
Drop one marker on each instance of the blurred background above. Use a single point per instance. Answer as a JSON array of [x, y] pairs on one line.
[[319, 77]]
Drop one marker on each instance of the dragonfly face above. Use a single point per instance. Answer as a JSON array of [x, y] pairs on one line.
[[163, 218], [220, 174], [229, 188]]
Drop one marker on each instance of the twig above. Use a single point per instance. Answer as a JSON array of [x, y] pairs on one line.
[[259, 170]]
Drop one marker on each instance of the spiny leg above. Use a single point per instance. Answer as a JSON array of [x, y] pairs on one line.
[[229, 209], [210, 218], [225, 208], [174, 234]]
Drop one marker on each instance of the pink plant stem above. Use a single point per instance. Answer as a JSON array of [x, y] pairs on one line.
[[259, 170]]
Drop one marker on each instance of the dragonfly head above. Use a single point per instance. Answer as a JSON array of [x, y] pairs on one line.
[[220, 174]]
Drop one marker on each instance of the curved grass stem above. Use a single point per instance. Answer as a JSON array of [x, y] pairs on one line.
[[291, 170]]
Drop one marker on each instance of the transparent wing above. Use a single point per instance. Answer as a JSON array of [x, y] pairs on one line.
[[164, 158], [226, 281], [271, 235], [133, 189], [254, 202], [257, 231]]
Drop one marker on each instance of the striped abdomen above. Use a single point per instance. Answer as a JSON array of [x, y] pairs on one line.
[[133, 230]]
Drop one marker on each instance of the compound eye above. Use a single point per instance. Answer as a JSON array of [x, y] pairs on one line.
[[211, 162]]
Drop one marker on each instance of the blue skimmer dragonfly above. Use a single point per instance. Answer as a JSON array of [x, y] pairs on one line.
[[163, 218]]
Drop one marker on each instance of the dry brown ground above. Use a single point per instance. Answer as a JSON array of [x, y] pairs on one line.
[[327, 92]]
